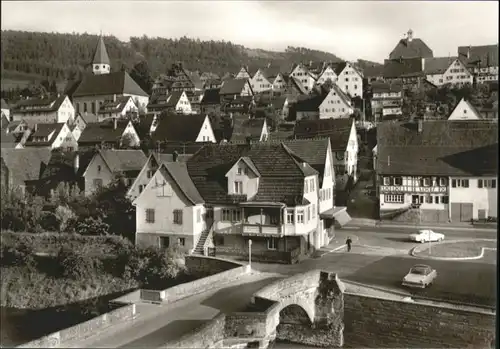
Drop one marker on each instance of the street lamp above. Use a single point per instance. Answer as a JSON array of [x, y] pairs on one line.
[[250, 253]]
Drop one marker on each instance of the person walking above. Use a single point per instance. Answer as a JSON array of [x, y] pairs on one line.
[[348, 243]]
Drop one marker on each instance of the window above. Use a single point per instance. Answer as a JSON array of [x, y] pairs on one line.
[[99, 168], [178, 217], [198, 215], [272, 244], [311, 185], [428, 199], [479, 183], [436, 199], [240, 170], [314, 211], [181, 241], [306, 187], [150, 215], [238, 187], [444, 199], [387, 181], [289, 216], [226, 215], [236, 215], [394, 198], [163, 189], [164, 242], [398, 181], [300, 216], [442, 181], [308, 215], [141, 188], [487, 183], [453, 183], [97, 183], [427, 181]]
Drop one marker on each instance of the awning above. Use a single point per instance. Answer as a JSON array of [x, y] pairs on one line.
[[339, 213], [261, 204], [330, 214]]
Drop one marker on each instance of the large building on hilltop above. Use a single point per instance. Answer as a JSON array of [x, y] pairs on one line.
[[410, 47], [92, 91]]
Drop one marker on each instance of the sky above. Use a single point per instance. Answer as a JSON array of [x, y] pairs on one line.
[[349, 29]]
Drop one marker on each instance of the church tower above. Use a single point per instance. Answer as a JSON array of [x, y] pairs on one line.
[[101, 63]]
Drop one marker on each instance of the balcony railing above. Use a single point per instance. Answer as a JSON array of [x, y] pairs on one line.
[[262, 230]]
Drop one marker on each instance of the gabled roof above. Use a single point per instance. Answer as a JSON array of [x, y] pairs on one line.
[[338, 130], [345, 98], [396, 68], [447, 148], [298, 85], [44, 130], [108, 84], [310, 104], [4, 104], [372, 71], [163, 157], [169, 101], [244, 127], [40, 104], [211, 96], [89, 118], [116, 106], [101, 54], [278, 102], [179, 173], [178, 127], [414, 48], [10, 140], [471, 107], [103, 132], [482, 56], [4, 122], [381, 87], [282, 172], [270, 72], [437, 65], [123, 160], [25, 164], [233, 86], [340, 66]]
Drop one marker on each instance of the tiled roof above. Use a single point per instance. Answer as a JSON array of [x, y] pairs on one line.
[[181, 148], [163, 157], [338, 130], [485, 56], [244, 127], [26, 164], [437, 65], [470, 105], [344, 97], [89, 118], [278, 103], [298, 85], [340, 66], [4, 122], [178, 127], [411, 49], [211, 96], [44, 130], [4, 104], [10, 140], [169, 101], [310, 104], [103, 132], [396, 68], [40, 104], [373, 71], [108, 84], [124, 160], [101, 54], [381, 87], [178, 171], [114, 106], [282, 172], [270, 72], [233, 86], [448, 148]]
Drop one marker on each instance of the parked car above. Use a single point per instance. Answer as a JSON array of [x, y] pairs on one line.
[[420, 275], [426, 235]]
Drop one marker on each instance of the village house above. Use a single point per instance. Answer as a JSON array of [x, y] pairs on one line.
[[109, 134], [5, 109], [482, 61], [437, 171], [210, 103], [294, 89], [446, 70], [152, 164], [349, 79], [372, 73], [410, 47], [14, 134], [260, 81], [56, 135], [244, 129], [21, 168], [280, 106], [80, 122], [54, 109], [89, 93], [177, 79], [302, 74], [238, 106], [170, 211], [195, 98], [108, 163], [464, 110], [117, 108], [344, 144], [408, 71], [324, 105], [184, 128], [244, 73], [234, 88], [279, 83], [176, 101], [387, 100], [327, 74]]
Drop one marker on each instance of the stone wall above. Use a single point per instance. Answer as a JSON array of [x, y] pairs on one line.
[[427, 216], [84, 329], [201, 266], [376, 322]]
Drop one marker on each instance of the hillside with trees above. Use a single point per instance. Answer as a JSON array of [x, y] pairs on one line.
[[59, 57]]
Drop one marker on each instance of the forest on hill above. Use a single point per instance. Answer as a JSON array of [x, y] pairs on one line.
[[55, 56]]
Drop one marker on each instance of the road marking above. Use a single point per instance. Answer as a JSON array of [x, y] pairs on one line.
[[351, 228]]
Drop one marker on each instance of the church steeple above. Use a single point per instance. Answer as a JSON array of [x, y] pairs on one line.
[[101, 63]]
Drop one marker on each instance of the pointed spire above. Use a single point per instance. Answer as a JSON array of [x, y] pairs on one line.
[[101, 54]]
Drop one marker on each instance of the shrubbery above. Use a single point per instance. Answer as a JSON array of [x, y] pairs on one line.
[[20, 255], [77, 265]]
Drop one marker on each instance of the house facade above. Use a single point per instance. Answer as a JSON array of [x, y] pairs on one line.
[[465, 111], [349, 79], [302, 74], [482, 61], [335, 105], [56, 109], [176, 101], [117, 108], [279, 84], [387, 99], [260, 82], [327, 74], [109, 134], [184, 128], [243, 74], [446, 70], [53, 136]]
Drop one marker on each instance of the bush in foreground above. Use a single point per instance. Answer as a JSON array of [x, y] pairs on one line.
[[77, 265]]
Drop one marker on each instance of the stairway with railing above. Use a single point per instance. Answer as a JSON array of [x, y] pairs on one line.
[[205, 241]]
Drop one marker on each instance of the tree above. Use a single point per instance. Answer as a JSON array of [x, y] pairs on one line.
[[53, 87], [142, 75]]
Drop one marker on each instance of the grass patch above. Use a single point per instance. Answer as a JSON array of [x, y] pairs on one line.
[[455, 249]]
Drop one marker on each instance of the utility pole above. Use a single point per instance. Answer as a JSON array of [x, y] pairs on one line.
[[250, 253]]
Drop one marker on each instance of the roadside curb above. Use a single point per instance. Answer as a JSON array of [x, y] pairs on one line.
[[437, 227], [415, 250], [354, 238], [378, 288]]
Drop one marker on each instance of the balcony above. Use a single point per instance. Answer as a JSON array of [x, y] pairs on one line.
[[262, 230]]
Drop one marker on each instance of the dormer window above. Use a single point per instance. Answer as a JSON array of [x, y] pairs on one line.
[[242, 171], [238, 187]]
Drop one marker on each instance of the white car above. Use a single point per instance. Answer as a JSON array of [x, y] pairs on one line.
[[420, 275], [426, 235]]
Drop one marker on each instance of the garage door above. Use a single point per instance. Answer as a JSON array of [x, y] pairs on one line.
[[461, 212]]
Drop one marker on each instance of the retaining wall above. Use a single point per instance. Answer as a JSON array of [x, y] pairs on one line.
[[84, 329], [220, 272], [376, 322]]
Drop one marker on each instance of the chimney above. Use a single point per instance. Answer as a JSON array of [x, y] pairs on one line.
[[420, 125], [310, 63], [175, 156], [35, 127], [114, 98], [115, 122], [76, 162], [410, 35]]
